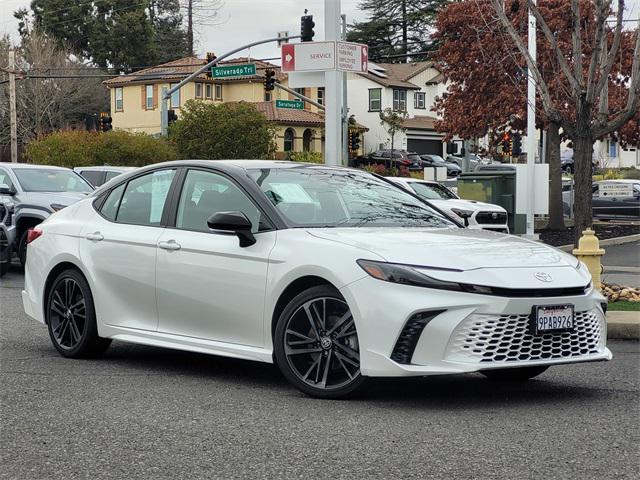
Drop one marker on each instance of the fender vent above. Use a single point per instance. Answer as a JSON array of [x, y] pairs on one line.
[[408, 339]]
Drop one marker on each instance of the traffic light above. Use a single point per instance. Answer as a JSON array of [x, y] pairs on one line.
[[172, 117], [506, 143], [210, 58], [105, 122], [354, 141], [517, 145], [269, 79], [306, 28]]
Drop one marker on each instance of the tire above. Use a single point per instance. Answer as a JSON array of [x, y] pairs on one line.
[[22, 248], [330, 366], [71, 317], [4, 268], [513, 374]]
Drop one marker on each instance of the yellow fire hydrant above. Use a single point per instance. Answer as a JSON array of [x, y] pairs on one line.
[[589, 252]]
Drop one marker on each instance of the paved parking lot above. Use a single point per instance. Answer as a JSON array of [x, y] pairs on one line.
[[143, 412]]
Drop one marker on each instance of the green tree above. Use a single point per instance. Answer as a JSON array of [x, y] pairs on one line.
[[393, 122], [396, 27], [227, 130]]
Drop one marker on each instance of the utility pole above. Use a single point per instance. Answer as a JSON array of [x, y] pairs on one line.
[[12, 105], [333, 89], [345, 110], [532, 144]]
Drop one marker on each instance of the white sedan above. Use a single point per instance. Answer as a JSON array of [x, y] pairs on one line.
[[334, 274], [473, 213]]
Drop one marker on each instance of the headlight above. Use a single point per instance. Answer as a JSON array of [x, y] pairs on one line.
[[57, 206], [462, 213]]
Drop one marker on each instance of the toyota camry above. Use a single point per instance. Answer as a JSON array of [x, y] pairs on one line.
[[334, 274]]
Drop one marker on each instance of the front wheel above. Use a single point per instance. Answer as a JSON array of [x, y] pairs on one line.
[[316, 344], [71, 317], [514, 374]]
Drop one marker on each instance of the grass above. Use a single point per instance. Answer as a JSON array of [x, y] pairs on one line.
[[624, 306]]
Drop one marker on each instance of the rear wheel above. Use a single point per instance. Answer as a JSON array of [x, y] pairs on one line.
[[71, 317], [22, 248], [316, 344], [514, 374]]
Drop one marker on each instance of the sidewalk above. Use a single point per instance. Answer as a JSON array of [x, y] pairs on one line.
[[623, 325]]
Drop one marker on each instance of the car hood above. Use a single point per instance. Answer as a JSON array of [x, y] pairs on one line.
[[466, 205], [45, 199], [448, 248]]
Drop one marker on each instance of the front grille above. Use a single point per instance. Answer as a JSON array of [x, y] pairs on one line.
[[491, 218], [507, 338], [3, 212]]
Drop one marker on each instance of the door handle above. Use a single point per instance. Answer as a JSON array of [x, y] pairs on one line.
[[170, 245], [95, 236]]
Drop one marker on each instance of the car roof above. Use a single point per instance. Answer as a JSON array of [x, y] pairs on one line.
[[31, 165], [105, 167]]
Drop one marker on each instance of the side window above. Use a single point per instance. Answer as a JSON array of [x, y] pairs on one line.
[[144, 197], [5, 179], [93, 177], [110, 207], [206, 193]]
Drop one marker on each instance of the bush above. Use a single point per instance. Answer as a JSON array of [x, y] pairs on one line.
[[226, 130], [78, 148], [306, 157]]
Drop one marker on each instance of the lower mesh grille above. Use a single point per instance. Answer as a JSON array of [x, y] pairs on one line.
[[507, 338]]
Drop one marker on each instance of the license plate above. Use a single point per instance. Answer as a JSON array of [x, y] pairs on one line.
[[552, 318]]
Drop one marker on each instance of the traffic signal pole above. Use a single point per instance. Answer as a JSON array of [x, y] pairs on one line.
[[333, 89], [164, 101], [532, 144]]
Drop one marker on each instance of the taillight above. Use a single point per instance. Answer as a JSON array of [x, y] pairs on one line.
[[405, 162], [32, 234]]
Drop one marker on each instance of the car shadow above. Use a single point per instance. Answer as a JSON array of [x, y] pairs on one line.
[[436, 392]]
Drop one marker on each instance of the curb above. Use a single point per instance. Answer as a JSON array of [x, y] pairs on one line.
[[623, 325], [606, 242]]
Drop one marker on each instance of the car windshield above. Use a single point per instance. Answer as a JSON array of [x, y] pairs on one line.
[[436, 158], [414, 157], [51, 180], [325, 197], [432, 191]]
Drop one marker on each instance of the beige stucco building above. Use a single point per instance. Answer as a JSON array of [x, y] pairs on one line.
[[135, 98]]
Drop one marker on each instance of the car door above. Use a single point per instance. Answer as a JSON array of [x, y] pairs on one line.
[[119, 249], [207, 285]]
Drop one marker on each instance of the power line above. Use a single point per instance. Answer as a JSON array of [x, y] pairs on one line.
[[128, 7]]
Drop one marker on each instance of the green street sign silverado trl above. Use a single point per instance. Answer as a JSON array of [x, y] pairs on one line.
[[292, 104], [245, 70]]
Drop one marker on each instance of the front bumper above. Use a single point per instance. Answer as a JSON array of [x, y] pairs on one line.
[[7, 242], [468, 332]]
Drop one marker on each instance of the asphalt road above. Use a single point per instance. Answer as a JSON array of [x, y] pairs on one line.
[[142, 412], [626, 256]]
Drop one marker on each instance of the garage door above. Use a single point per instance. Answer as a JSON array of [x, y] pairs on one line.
[[424, 146]]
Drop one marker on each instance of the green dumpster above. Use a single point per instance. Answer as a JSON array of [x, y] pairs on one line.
[[497, 187]]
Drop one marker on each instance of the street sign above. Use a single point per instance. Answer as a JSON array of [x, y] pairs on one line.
[[352, 57], [290, 104], [245, 70], [308, 56], [615, 189]]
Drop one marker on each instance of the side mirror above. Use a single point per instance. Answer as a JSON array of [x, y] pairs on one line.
[[234, 223], [6, 189]]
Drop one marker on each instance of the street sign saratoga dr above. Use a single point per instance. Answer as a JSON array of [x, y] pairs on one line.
[[290, 104], [245, 70], [323, 56]]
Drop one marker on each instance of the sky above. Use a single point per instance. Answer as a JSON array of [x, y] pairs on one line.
[[243, 21]]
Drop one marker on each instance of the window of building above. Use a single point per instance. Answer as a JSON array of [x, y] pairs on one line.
[[375, 99], [198, 90], [144, 198], [119, 101], [288, 140], [307, 138], [399, 100], [208, 90], [175, 97], [419, 100], [613, 149], [218, 91], [321, 95], [148, 90], [299, 90]]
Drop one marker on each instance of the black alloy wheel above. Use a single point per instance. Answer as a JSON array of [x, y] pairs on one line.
[[316, 344], [514, 374], [71, 318]]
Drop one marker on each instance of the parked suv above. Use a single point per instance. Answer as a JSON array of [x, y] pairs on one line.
[[400, 158], [98, 176], [7, 233], [431, 160], [37, 191]]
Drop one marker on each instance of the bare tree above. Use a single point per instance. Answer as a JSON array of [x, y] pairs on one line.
[[200, 13], [589, 116]]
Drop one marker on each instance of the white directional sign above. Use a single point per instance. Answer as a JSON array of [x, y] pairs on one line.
[[323, 56], [615, 189], [352, 57]]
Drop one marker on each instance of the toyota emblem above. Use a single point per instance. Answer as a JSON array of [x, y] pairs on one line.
[[543, 277]]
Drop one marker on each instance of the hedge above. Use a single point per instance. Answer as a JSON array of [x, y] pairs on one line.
[[79, 148]]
